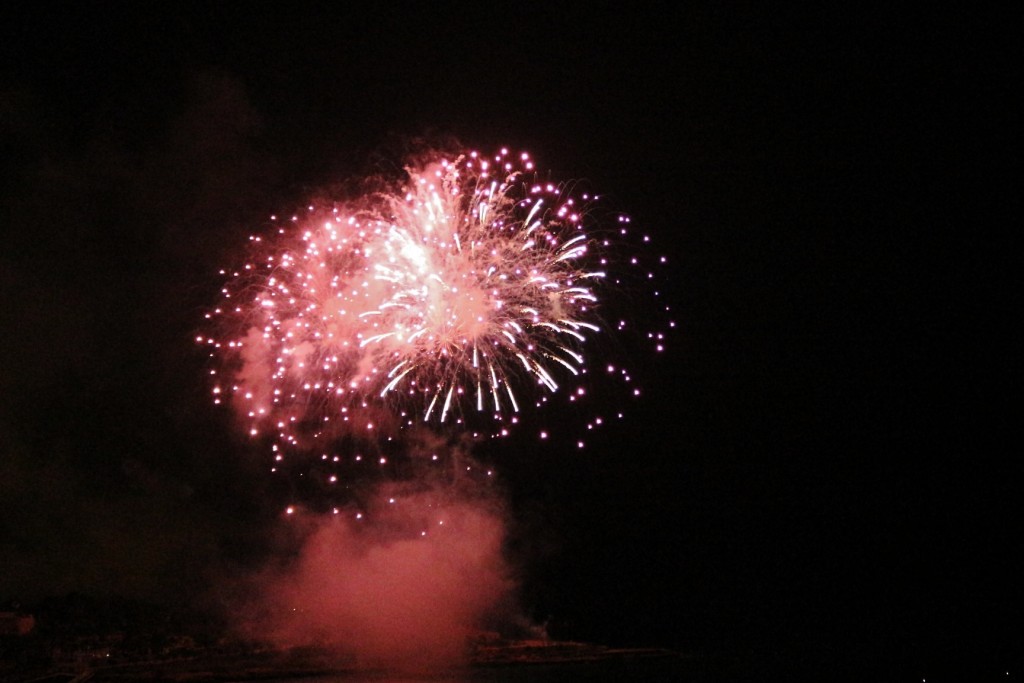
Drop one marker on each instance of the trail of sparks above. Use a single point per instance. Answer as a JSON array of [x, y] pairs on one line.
[[471, 286]]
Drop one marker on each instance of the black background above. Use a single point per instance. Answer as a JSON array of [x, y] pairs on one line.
[[825, 467]]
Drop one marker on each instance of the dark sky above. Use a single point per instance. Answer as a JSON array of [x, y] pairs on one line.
[[828, 460]]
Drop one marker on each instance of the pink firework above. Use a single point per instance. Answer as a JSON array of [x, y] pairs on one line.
[[471, 290]]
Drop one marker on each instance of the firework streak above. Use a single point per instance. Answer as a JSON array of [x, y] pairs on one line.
[[470, 293]]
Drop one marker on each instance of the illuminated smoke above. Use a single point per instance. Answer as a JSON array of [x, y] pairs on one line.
[[403, 588]]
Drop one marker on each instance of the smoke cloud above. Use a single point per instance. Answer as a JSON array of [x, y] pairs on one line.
[[404, 585]]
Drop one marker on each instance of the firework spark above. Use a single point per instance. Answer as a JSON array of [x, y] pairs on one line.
[[471, 291]]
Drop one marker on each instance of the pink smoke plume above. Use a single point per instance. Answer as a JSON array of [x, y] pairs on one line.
[[405, 591]]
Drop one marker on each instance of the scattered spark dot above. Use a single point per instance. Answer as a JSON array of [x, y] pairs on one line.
[[467, 292]]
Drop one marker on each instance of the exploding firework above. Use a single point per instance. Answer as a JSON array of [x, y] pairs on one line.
[[470, 292]]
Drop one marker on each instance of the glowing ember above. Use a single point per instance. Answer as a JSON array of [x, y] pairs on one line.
[[473, 290]]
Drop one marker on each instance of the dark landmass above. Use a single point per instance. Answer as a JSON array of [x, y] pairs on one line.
[[80, 638], [254, 662]]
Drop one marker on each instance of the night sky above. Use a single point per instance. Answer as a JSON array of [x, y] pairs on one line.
[[825, 466]]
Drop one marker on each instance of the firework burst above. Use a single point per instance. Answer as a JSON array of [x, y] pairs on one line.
[[472, 291]]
